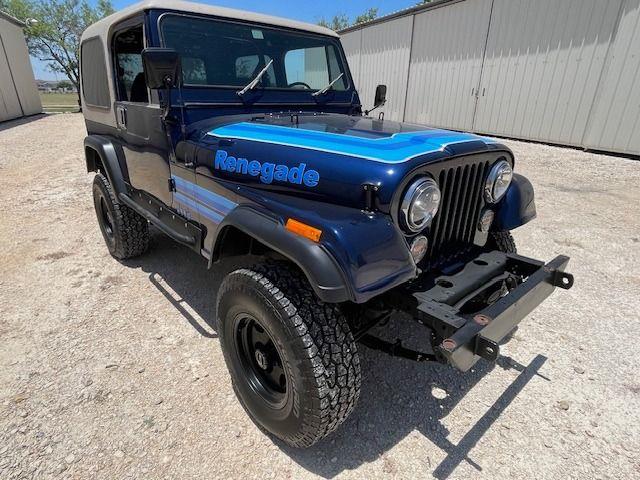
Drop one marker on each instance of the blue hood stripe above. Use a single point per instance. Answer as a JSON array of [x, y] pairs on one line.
[[396, 148]]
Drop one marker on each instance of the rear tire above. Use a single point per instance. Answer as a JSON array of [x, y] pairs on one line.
[[292, 358], [125, 231]]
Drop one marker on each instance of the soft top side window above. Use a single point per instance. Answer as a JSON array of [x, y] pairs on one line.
[[131, 84], [95, 88]]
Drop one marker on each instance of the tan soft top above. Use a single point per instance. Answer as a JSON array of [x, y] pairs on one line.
[[101, 27]]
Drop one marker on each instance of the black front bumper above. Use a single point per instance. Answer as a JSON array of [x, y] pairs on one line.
[[469, 335]]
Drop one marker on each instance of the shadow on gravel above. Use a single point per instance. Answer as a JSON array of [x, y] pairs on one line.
[[181, 275], [396, 397], [396, 400], [20, 121]]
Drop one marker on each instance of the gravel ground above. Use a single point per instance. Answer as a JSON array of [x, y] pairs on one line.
[[112, 370]]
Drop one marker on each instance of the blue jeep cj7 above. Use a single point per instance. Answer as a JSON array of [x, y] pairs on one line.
[[241, 134]]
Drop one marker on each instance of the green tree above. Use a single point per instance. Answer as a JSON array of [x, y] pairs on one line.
[[64, 84], [341, 20], [54, 28], [338, 22], [367, 16]]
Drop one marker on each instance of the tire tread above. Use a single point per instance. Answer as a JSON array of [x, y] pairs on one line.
[[132, 228], [327, 340]]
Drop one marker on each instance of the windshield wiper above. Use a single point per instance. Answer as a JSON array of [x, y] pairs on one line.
[[326, 89], [251, 85]]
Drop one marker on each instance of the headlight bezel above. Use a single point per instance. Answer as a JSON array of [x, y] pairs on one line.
[[495, 173], [415, 190]]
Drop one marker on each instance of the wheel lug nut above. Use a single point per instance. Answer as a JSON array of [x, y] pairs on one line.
[[261, 359]]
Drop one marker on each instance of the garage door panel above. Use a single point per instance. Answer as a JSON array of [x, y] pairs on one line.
[[385, 52], [542, 66], [446, 62], [615, 120], [351, 45]]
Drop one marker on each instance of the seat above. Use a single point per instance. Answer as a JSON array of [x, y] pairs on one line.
[[139, 91]]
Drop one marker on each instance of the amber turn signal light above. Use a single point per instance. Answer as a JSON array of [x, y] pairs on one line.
[[303, 230]]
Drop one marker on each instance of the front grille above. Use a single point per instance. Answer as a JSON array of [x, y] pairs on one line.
[[453, 230]]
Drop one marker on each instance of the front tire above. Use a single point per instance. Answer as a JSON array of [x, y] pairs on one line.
[[502, 240], [292, 358], [125, 231]]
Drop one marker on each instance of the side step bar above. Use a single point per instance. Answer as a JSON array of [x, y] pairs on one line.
[[165, 220]]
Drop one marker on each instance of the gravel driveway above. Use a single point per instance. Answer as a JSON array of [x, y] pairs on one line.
[[112, 370]]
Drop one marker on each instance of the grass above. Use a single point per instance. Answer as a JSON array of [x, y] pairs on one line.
[[59, 102]]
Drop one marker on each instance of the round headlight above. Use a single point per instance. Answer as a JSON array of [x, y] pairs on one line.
[[498, 181], [420, 203]]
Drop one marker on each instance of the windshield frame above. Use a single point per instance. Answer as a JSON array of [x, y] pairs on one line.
[[334, 41]]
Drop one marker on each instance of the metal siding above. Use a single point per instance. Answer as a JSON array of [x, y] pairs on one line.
[[446, 61], [384, 59], [615, 120], [542, 65], [9, 103], [17, 53], [351, 44]]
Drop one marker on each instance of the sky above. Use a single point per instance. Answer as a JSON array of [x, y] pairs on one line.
[[304, 10]]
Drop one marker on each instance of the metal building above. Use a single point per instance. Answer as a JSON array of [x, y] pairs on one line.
[[558, 71], [18, 91]]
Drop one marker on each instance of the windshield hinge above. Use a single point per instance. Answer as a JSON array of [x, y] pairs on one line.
[[172, 185]]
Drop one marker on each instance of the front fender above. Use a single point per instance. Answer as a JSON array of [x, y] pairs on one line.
[[364, 251], [518, 206], [323, 273]]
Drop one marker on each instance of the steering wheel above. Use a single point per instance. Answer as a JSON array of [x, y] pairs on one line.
[[302, 84]]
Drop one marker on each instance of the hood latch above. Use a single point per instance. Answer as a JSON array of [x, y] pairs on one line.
[[370, 196]]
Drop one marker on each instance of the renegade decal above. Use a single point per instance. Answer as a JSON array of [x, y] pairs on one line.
[[394, 148], [267, 172]]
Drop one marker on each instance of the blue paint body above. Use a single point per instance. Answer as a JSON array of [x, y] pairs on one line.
[[243, 153], [345, 151]]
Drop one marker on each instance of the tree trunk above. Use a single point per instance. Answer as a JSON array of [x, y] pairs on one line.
[[77, 85]]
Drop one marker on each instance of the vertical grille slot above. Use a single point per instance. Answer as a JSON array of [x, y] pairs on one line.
[[454, 227]]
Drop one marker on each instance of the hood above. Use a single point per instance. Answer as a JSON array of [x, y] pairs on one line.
[[327, 157]]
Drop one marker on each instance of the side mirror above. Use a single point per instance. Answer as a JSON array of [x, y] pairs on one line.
[[381, 96], [162, 67]]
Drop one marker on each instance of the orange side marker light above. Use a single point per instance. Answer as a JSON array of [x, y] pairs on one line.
[[303, 230]]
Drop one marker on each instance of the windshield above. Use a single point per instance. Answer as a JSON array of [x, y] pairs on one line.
[[227, 54]]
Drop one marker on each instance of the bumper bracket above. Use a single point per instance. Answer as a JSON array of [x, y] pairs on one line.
[[471, 336]]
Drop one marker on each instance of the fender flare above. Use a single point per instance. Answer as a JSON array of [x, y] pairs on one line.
[[318, 265], [518, 206], [106, 151]]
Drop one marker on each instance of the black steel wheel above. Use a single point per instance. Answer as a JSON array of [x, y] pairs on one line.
[[125, 232], [260, 360], [107, 219], [292, 358]]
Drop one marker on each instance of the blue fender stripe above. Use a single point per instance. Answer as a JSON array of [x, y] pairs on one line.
[[192, 205], [198, 199], [396, 148]]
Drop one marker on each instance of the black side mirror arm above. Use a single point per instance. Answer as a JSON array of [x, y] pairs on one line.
[[366, 112], [380, 98]]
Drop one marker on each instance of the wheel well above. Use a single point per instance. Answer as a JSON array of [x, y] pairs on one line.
[[234, 242], [93, 159]]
